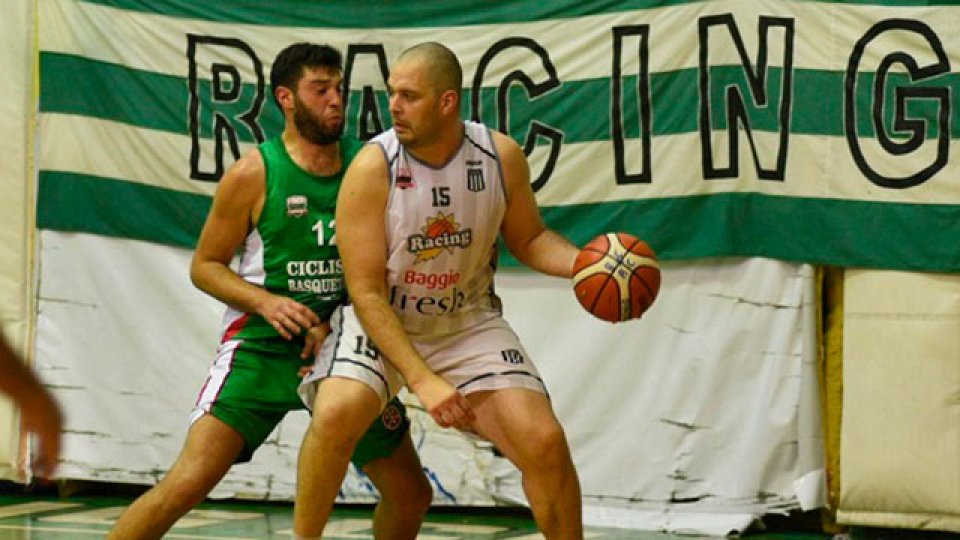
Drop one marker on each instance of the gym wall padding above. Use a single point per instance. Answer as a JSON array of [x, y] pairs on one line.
[[18, 63], [900, 434]]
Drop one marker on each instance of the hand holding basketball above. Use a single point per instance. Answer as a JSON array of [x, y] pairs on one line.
[[616, 277]]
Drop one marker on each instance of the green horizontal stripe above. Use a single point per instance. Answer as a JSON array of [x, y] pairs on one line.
[[581, 108], [108, 207], [82, 86], [354, 14], [819, 231], [425, 13], [886, 3]]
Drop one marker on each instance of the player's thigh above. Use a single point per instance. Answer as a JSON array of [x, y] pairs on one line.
[[250, 388], [520, 422], [348, 353], [208, 453], [384, 435], [486, 357]]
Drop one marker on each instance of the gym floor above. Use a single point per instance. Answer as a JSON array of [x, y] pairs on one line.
[[50, 516]]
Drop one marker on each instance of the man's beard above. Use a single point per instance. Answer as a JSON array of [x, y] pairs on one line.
[[311, 128]]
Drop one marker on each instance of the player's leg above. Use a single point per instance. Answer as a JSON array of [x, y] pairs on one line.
[[405, 494], [489, 364], [246, 394], [210, 449], [342, 411], [386, 454], [347, 388], [535, 443]]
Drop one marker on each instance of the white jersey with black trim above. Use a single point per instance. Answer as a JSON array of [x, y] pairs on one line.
[[442, 225]]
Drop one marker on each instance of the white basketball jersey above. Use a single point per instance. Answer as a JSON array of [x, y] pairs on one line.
[[442, 226]]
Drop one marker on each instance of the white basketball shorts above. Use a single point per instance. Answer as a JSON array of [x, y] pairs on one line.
[[487, 356]]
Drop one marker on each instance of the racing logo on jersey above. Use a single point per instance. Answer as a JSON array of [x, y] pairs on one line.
[[296, 205], [475, 181], [441, 233]]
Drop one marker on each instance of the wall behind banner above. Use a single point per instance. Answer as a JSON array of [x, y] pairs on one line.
[[17, 108], [706, 407]]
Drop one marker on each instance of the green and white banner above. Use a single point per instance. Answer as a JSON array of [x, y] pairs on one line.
[[697, 418], [823, 132]]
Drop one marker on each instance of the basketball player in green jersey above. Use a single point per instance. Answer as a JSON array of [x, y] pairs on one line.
[[276, 206]]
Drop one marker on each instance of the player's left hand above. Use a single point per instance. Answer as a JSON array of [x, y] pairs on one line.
[[444, 403], [314, 338]]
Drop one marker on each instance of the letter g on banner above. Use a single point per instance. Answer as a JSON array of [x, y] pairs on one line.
[[909, 131]]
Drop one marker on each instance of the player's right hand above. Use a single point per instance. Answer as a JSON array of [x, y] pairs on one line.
[[41, 416], [445, 404], [287, 316], [314, 339]]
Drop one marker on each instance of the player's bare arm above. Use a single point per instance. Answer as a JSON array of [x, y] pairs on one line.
[[39, 411], [523, 230], [362, 242], [235, 209]]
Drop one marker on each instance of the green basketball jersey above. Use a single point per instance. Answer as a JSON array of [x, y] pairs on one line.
[[292, 251]]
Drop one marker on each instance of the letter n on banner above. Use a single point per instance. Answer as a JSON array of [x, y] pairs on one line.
[[769, 100]]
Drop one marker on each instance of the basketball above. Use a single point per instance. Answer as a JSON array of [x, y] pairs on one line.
[[616, 277]]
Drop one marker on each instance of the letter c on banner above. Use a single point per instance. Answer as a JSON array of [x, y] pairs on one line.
[[534, 90]]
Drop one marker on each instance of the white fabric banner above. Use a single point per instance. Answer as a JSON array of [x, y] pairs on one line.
[[698, 417]]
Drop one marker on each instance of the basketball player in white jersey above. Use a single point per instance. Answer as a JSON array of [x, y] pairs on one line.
[[418, 218]]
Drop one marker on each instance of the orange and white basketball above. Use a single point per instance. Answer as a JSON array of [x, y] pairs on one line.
[[616, 277]]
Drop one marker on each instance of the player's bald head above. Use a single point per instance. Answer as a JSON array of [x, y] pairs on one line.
[[441, 66]]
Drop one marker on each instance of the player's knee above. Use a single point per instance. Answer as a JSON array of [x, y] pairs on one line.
[[332, 425], [185, 491], [547, 444], [329, 436], [421, 498], [413, 500]]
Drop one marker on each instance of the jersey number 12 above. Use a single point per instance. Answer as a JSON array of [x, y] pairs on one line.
[[322, 233]]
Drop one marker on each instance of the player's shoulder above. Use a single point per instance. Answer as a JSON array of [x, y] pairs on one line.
[[246, 177], [505, 146], [250, 165], [369, 159], [483, 136]]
